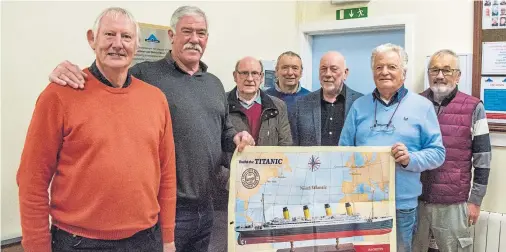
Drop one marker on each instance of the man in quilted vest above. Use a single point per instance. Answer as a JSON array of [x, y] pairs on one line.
[[449, 204]]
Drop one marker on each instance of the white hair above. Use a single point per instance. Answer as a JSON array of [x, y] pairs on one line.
[[115, 12], [444, 52], [388, 47], [186, 11]]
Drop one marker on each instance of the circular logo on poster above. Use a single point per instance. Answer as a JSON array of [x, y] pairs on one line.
[[250, 178]]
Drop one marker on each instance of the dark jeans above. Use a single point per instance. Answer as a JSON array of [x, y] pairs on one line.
[[219, 235], [149, 240], [194, 223]]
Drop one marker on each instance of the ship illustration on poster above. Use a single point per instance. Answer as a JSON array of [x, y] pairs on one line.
[[300, 228]]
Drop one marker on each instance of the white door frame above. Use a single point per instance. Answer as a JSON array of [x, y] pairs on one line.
[[391, 22]]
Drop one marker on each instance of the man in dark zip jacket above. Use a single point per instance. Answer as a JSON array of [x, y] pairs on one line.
[[264, 117]]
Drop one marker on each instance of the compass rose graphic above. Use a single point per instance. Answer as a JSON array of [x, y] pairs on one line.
[[314, 163]]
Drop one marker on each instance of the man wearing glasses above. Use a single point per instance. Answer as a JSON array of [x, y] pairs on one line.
[[264, 117], [393, 116], [318, 118], [449, 204]]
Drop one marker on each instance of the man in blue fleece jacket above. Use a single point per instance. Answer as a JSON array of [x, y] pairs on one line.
[[393, 116]]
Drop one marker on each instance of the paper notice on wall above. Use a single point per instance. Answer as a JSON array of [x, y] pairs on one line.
[[269, 74], [154, 43], [493, 95], [494, 14], [493, 58]]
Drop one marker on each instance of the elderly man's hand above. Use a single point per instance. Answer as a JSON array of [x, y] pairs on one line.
[[400, 153], [242, 139], [67, 73], [474, 213], [169, 247]]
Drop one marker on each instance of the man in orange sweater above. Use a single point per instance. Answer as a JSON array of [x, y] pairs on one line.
[[111, 165]]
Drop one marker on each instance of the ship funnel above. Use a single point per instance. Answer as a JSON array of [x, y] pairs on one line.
[[328, 211], [349, 210], [286, 214], [306, 212]]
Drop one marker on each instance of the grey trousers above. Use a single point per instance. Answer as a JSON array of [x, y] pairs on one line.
[[449, 225], [219, 235]]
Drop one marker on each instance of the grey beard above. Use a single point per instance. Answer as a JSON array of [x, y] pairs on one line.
[[439, 96]]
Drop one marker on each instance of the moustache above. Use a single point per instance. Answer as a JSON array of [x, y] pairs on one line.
[[191, 46]]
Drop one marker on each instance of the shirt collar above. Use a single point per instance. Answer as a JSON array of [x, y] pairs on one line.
[[96, 72], [399, 94], [172, 62], [446, 100], [276, 86], [245, 103], [341, 94]]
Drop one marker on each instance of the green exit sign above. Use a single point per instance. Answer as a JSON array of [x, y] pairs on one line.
[[351, 13]]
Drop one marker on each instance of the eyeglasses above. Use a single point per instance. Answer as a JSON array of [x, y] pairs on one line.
[[384, 128], [445, 71], [245, 74]]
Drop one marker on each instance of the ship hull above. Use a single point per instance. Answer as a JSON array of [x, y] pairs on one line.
[[314, 232]]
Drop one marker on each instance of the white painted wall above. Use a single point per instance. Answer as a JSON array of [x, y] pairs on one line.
[[36, 36], [437, 24]]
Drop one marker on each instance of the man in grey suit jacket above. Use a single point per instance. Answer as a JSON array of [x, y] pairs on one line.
[[318, 117]]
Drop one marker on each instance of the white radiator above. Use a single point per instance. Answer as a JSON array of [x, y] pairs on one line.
[[490, 233]]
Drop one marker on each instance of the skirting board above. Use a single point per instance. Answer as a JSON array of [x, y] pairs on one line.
[[11, 241]]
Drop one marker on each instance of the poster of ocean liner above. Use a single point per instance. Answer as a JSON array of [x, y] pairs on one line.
[[302, 199]]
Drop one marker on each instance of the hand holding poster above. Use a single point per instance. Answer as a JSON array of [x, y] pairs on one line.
[[312, 199]]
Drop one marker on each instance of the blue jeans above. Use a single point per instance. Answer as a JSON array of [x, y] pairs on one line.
[[406, 227], [194, 223]]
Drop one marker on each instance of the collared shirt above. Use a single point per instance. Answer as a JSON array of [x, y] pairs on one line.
[[249, 104], [439, 107], [276, 86], [96, 72], [415, 124], [401, 92], [202, 66], [332, 118]]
